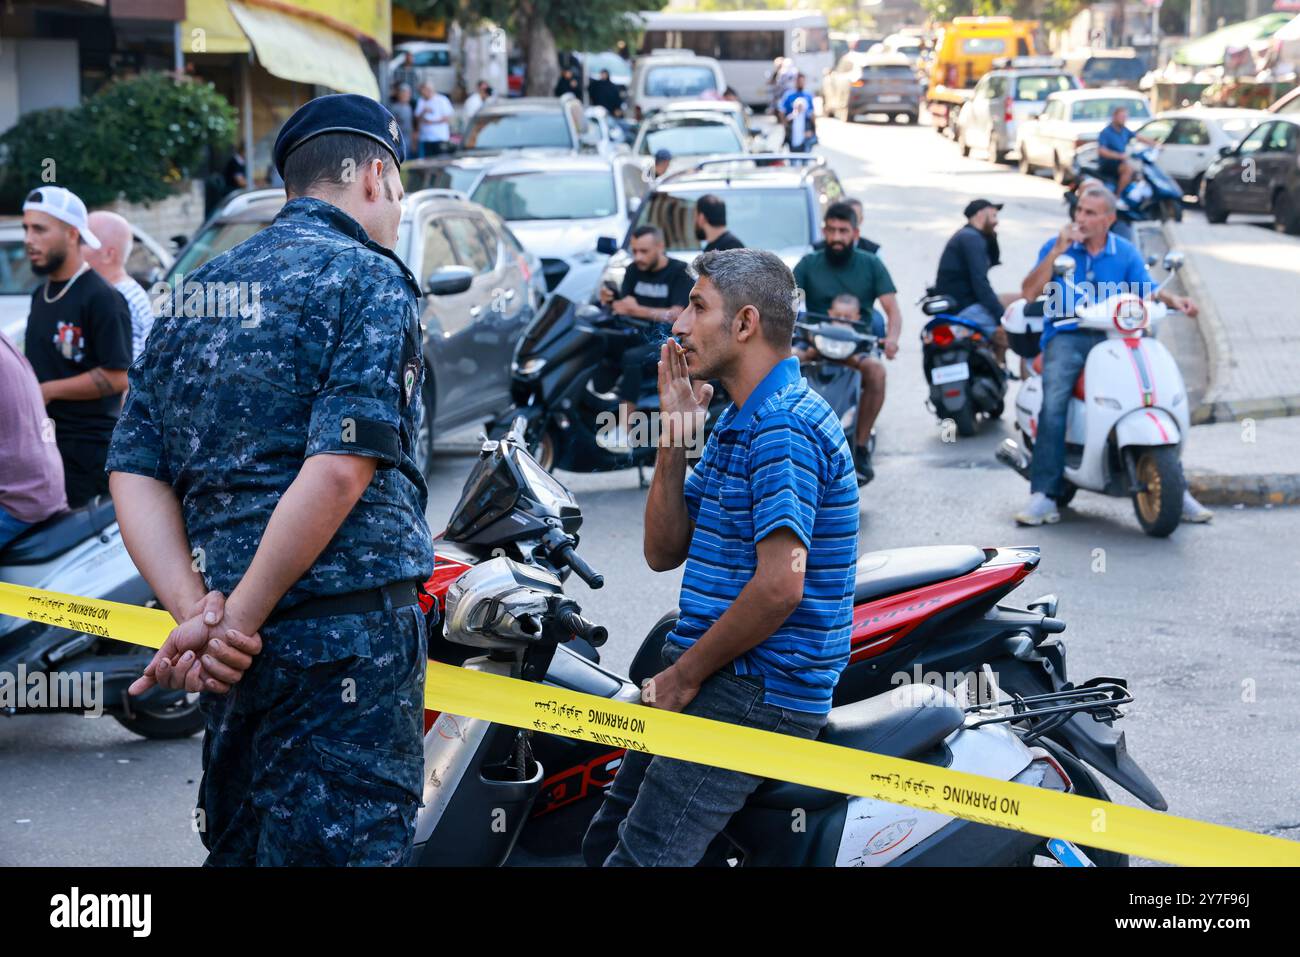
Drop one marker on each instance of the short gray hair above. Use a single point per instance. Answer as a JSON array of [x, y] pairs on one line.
[[753, 277], [1106, 196]]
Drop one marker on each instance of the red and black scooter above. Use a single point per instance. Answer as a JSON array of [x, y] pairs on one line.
[[921, 615]]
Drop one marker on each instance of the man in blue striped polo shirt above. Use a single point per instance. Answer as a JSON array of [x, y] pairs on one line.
[[767, 525]]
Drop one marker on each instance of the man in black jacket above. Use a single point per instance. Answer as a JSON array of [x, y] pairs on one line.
[[963, 273]]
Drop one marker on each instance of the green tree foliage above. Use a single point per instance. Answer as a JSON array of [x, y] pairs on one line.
[[137, 138]]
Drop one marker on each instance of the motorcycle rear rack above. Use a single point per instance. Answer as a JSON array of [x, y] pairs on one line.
[[1099, 697]]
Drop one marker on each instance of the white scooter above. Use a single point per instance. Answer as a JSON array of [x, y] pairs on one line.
[[1129, 413]]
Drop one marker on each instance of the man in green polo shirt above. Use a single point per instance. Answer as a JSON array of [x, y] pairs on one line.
[[841, 267]]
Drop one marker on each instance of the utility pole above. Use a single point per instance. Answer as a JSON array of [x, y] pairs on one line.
[[1195, 19]]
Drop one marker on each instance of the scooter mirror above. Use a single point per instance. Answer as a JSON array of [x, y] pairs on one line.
[[1063, 265], [1151, 261], [1174, 261]]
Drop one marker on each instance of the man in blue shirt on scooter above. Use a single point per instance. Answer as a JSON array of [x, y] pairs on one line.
[[1112, 146], [1102, 261]]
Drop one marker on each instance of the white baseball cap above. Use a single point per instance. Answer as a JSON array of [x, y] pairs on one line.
[[65, 206]]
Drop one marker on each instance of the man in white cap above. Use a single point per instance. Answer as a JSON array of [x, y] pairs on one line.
[[109, 260], [78, 338]]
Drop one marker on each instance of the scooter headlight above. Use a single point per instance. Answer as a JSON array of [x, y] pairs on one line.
[[1130, 315], [834, 348], [530, 366]]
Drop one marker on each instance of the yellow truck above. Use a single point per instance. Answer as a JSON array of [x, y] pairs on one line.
[[964, 50]]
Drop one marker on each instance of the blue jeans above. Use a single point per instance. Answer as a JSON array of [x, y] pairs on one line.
[[661, 812], [10, 528], [977, 314], [1063, 360]]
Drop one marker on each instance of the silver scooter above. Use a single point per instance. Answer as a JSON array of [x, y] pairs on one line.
[[80, 552]]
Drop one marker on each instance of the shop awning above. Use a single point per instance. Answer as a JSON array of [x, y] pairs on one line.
[[294, 48], [294, 41], [1209, 49]]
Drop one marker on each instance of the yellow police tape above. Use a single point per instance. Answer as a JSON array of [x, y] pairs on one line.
[[1086, 821]]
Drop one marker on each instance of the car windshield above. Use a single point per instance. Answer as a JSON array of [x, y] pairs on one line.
[[579, 194], [212, 242], [512, 131], [1101, 108], [16, 276], [692, 137], [679, 81], [449, 176], [1102, 70], [760, 218], [1035, 89]]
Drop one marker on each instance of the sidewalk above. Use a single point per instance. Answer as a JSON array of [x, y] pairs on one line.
[[1246, 281], [1244, 448]]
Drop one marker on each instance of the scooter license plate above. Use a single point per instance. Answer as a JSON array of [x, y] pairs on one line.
[[941, 375]]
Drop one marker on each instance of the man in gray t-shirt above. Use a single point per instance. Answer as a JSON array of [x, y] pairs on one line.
[[31, 471]]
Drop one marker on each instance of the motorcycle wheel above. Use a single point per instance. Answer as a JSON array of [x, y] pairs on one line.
[[965, 419], [179, 720], [1159, 506]]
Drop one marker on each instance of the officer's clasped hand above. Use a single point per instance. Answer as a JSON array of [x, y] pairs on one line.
[[199, 654]]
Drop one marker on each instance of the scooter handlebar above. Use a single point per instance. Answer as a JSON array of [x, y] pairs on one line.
[[594, 634], [580, 568]]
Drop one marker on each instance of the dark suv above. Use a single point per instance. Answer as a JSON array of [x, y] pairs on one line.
[[478, 295], [774, 207]]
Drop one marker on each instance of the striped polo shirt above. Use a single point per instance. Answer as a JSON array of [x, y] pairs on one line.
[[779, 461]]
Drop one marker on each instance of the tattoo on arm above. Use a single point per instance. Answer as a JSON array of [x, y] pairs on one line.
[[101, 382]]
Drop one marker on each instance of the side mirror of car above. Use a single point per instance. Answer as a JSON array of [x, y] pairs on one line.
[[1063, 265], [450, 280], [608, 245], [1226, 150]]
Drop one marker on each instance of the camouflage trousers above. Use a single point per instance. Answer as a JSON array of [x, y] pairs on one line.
[[315, 757]]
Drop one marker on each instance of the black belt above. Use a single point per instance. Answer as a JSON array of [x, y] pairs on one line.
[[399, 595]]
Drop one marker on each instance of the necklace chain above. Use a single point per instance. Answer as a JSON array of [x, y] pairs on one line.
[[45, 292]]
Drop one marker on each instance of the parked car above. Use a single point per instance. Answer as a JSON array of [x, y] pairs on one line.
[[432, 63], [148, 263], [531, 122], [1070, 119], [872, 83], [1261, 174], [660, 78], [779, 208], [1005, 98], [1109, 68], [478, 295], [1190, 140], [689, 135], [559, 207]]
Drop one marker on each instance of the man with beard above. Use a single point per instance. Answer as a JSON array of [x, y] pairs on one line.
[[841, 267], [964, 273], [711, 224], [766, 525], [78, 338]]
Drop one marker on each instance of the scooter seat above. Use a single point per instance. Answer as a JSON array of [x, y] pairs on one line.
[[895, 570], [59, 533], [902, 723]]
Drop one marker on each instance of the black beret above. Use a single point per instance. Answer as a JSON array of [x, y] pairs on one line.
[[340, 113]]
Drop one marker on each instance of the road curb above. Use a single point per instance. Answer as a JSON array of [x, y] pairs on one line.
[[1212, 488]]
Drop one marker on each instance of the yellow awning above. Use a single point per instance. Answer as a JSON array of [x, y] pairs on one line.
[[305, 51]]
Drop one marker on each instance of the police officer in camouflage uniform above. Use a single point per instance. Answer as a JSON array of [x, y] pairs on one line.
[[265, 458]]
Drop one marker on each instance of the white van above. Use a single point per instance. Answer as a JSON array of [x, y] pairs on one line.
[[665, 76]]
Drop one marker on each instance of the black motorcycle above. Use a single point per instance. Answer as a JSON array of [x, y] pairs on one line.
[[565, 368], [966, 382]]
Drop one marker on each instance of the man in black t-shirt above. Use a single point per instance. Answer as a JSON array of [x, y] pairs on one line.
[[78, 339], [711, 224], [655, 289]]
